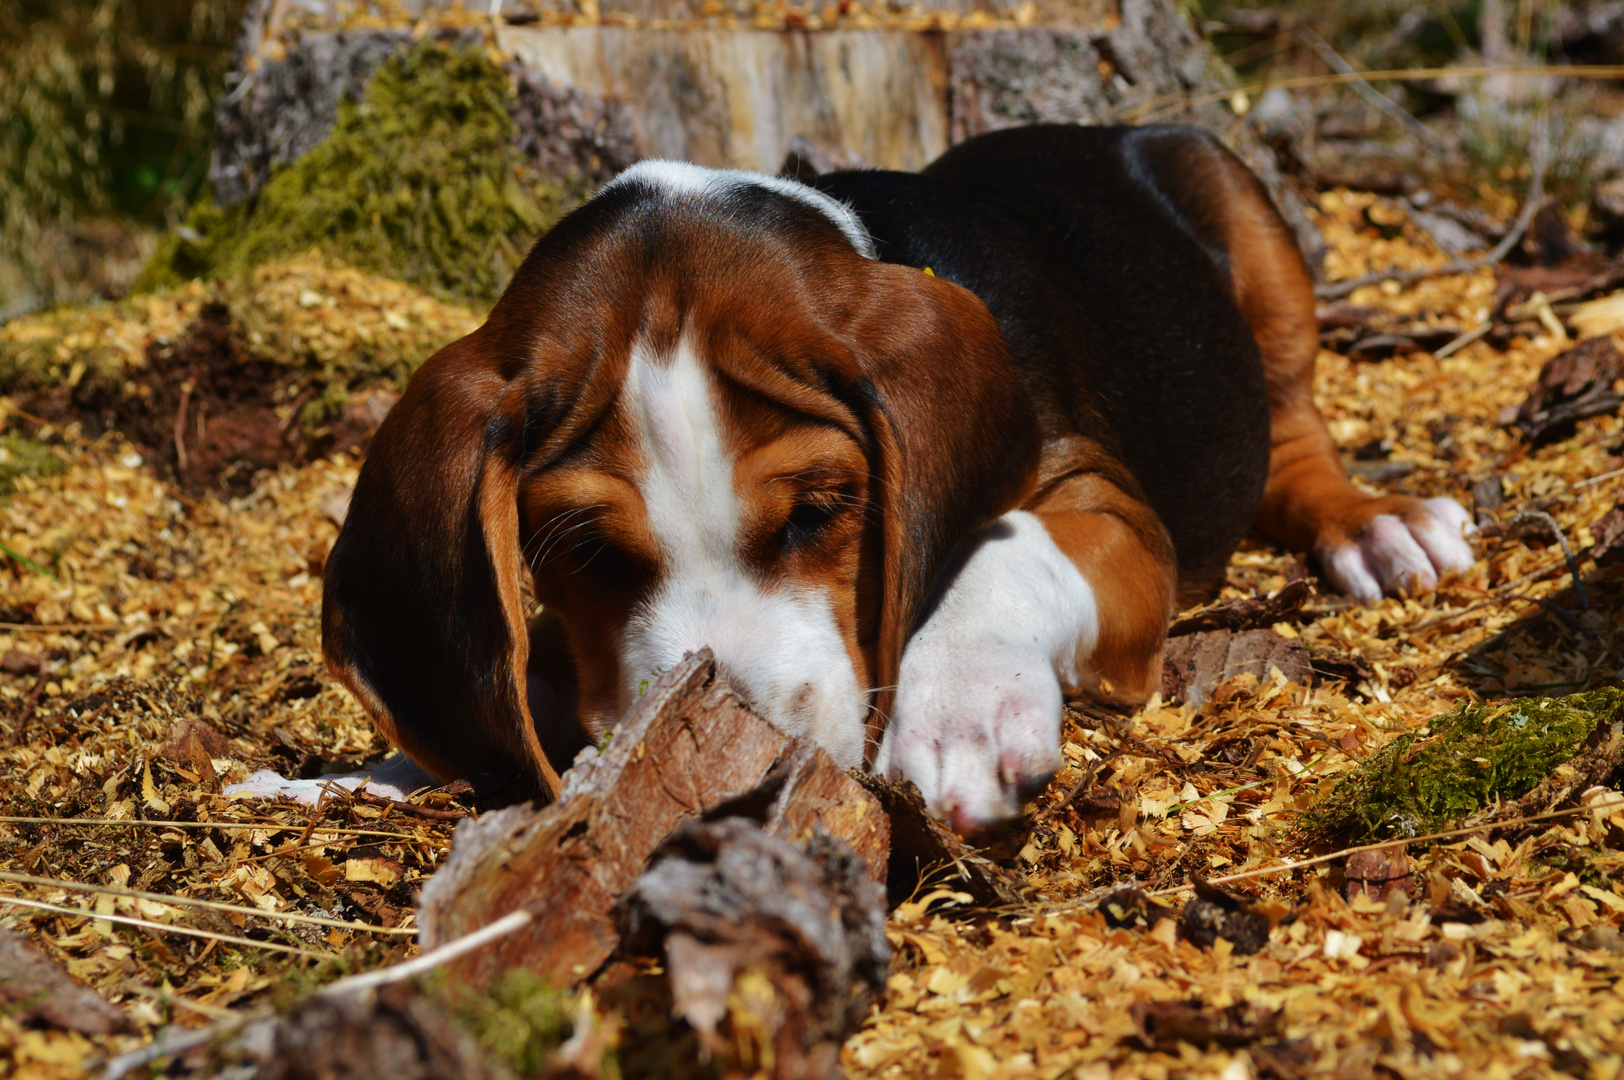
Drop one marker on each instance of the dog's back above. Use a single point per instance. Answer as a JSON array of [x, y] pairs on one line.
[[1093, 250]]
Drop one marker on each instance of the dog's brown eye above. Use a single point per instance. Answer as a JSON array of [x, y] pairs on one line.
[[598, 557], [810, 518]]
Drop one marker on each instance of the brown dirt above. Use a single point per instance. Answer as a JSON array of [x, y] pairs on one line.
[[209, 414]]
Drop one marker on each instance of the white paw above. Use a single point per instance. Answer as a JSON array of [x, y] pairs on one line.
[[977, 728], [977, 717], [1393, 553]]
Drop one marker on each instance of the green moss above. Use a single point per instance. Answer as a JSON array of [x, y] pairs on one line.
[[522, 1020], [202, 243], [24, 457], [1462, 762], [419, 180]]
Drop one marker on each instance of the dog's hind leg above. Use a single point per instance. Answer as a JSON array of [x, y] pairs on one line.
[[1366, 545]]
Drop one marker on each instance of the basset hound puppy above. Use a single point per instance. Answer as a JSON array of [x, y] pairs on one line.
[[917, 455]]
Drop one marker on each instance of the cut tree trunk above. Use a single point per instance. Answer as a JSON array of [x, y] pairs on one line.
[[592, 99]]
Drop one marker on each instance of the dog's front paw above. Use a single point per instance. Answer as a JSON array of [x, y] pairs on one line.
[[976, 727], [1396, 543]]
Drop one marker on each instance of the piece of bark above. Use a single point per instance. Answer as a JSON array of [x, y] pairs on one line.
[[1162, 1025], [724, 900], [1215, 912], [688, 748], [16, 662], [1195, 664], [1572, 385], [1378, 872], [1248, 613], [1332, 664], [1488, 495], [1550, 241], [194, 743], [1131, 906], [923, 846], [1608, 537], [34, 988]]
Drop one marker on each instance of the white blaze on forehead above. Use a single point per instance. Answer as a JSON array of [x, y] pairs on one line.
[[682, 178], [777, 640]]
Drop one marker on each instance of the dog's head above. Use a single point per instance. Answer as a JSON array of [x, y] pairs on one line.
[[702, 414]]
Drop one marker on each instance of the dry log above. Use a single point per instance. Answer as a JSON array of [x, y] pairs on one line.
[[689, 749], [774, 954]]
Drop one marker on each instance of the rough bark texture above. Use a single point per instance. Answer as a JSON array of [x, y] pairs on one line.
[[397, 1034], [284, 109], [1572, 385], [593, 99], [1248, 613], [689, 749], [924, 848], [1196, 663], [764, 944]]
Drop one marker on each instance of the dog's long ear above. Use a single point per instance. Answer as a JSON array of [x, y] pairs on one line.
[[422, 617], [955, 438]]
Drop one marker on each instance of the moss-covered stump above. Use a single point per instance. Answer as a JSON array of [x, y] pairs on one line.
[[419, 179], [1461, 763]]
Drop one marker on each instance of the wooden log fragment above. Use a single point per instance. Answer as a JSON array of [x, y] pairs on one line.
[[923, 849], [765, 945], [689, 749], [1195, 664]]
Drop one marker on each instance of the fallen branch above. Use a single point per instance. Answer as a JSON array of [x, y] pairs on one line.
[[1336, 290]]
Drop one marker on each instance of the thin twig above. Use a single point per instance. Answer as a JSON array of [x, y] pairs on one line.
[[1318, 860], [1455, 346], [171, 1041], [507, 924], [267, 826], [1448, 834], [180, 427], [57, 628], [1336, 290], [189, 901], [1598, 479], [1562, 541], [1378, 100], [167, 928]]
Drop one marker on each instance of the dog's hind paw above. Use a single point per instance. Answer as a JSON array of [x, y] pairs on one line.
[[1397, 543]]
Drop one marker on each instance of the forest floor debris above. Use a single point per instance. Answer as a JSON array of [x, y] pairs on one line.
[[135, 610]]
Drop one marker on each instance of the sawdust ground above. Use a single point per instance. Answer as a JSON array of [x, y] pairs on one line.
[[165, 608]]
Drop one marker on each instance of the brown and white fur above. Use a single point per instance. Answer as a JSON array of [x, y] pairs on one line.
[[910, 512]]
